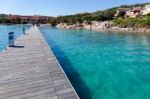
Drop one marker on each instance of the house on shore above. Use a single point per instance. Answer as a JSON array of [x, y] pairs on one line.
[[146, 9], [121, 11], [133, 12]]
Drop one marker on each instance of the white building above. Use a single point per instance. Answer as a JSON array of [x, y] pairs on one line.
[[146, 9], [136, 11]]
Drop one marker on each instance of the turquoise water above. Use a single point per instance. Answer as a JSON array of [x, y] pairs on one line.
[[4, 30], [103, 65]]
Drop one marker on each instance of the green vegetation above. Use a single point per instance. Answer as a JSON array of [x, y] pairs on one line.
[[13, 21], [85, 17], [104, 15], [19, 20], [107, 15], [2, 18], [142, 21]]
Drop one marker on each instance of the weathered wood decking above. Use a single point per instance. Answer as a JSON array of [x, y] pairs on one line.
[[31, 71]]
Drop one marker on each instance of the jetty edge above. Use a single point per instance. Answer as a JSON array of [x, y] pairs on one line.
[[30, 70]]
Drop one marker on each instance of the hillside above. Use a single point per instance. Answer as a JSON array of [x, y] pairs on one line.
[[104, 15]]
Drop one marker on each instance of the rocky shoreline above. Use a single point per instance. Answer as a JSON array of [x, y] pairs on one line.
[[102, 26]]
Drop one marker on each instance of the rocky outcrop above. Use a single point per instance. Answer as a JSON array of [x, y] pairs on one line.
[[101, 25], [86, 26], [61, 25], [140, 30], [65, 26], [93, 26], [121, 29], [98, 26]]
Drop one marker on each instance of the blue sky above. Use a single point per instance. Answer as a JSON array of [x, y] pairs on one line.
[[59, 7]]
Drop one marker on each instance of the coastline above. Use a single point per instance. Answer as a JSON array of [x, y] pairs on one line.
[[97, 26], [104, 26]]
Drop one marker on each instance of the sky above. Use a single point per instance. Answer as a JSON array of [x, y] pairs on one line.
[[59, 7]]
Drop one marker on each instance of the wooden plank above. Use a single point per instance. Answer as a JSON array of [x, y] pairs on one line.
[[31, 71]]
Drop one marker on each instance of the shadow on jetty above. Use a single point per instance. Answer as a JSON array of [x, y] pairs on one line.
[[17, 46], [74, 77]]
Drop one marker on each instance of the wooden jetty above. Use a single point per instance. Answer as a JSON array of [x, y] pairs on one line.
[[30, 70]]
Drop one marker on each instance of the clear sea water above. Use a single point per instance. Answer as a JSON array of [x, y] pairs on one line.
[[103, 65], [4, 30]]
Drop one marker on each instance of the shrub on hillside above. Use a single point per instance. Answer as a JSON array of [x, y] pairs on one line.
[[132, 22]]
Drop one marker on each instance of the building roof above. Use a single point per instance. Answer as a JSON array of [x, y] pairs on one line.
[[124, 9], [137, 8]]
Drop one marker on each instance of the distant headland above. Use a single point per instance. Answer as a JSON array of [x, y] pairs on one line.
[[22, 19]]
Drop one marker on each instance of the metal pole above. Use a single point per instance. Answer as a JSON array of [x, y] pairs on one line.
[[23, 30]]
